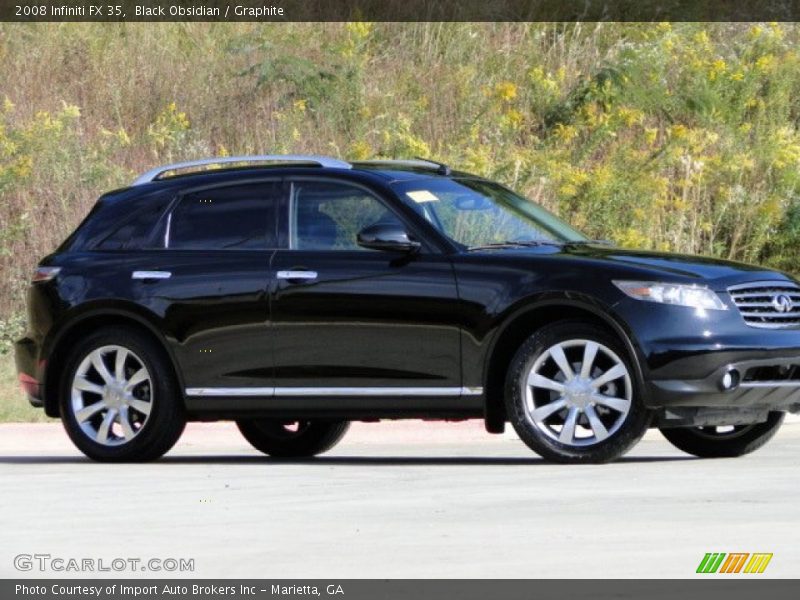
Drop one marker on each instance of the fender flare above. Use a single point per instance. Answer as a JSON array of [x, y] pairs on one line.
[[122, 310], [590, 304]]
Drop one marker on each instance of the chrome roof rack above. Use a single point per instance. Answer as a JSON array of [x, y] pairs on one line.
[[322, 161], [423, 163]]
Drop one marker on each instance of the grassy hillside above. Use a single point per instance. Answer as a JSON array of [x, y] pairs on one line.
[[679, 137]]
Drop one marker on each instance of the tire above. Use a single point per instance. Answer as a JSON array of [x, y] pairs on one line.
[[593, 415], [710, 442], [141, 391], [292, 439]]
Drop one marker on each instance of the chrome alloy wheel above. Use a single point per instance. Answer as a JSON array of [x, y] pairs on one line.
[[578, 392], [112, 395]]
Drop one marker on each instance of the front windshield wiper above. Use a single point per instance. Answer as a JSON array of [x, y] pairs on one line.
[[516, 244], [589, 243]]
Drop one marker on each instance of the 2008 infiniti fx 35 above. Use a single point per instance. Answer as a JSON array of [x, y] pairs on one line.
[[294, 294]]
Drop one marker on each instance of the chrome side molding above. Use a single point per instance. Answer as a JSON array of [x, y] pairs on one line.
[[151, 275], [297, 274], [225, 391], [332, 392]]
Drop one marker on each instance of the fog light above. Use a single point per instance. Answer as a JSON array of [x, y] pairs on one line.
[[729, 381]]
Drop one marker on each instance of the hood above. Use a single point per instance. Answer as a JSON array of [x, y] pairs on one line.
[[715, 272]]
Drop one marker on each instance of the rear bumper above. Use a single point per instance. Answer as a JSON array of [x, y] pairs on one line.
[[29, 373]]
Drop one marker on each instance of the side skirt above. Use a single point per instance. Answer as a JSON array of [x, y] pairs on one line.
[[335, 403]]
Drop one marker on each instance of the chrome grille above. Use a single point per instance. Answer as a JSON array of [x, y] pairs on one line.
[[764, 304]]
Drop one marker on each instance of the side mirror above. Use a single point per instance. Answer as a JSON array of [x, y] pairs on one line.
[[389, 237]]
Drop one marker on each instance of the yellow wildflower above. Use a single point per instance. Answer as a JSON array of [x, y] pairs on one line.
[[512, 118], [629, 116], [122, 137], [360, 29], [360, 150], [765, 63], [71, 111], [717, 68], [23, 167], [566, 133], [678, 131], [506, 91], [702, 38]]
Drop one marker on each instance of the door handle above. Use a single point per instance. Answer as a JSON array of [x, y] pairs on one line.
[[151, 275], [297, 275]]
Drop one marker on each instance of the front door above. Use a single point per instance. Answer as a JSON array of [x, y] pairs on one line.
[[355, 323]]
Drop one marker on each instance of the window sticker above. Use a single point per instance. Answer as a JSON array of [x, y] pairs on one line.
[[420, 196]]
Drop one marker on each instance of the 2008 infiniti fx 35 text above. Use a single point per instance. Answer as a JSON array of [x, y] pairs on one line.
[[294, 294]]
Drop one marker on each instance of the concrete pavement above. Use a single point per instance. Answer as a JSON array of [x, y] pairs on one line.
[[405, 499]]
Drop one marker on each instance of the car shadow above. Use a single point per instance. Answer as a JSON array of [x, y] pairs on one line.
[[444, 461]]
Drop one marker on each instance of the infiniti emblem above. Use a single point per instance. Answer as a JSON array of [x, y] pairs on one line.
[[782, 303]]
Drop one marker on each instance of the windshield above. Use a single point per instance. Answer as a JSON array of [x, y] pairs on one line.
[[475, 213]]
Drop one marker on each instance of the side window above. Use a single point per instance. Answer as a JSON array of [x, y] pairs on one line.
[[229, 218], [135, 231], [328, 216]]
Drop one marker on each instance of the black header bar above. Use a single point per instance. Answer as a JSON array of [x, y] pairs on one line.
[[398, 10], [709, 588]]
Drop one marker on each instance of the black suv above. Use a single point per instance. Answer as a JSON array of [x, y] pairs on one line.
[[294, 294]]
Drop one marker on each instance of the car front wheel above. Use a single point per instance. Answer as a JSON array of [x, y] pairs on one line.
[[572, 397], [724, 442], [292, 439]]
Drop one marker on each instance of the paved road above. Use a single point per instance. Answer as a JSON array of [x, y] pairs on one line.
[[409, 499]]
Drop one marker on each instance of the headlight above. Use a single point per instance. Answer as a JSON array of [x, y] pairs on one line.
[[694, 296]]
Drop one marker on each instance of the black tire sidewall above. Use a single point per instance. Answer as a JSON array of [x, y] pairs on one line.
[[318, 437], [630, 432], [166, 420], [688, 440]]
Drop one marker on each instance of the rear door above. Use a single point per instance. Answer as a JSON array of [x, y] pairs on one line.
[[355, 323], [209, 281]]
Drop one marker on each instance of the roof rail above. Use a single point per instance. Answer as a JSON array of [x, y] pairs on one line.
[[322, 161], [440, 168]]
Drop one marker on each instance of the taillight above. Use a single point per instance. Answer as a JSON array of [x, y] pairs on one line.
[[45, 273], [29, 385]]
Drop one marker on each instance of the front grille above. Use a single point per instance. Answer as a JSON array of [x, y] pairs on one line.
[[765, 304]]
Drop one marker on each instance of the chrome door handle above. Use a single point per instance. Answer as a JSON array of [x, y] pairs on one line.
[[289, 275], [151, 275]]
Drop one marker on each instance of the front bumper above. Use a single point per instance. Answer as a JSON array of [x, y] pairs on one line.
[[738, 392], [772, 384], [684, 356]]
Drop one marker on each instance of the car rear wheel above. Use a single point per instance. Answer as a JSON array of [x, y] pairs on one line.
[[724, 442], [292, 439], [572, 397], [119, 399]]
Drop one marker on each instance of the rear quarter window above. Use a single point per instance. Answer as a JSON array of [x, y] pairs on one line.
[[137, 229]]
